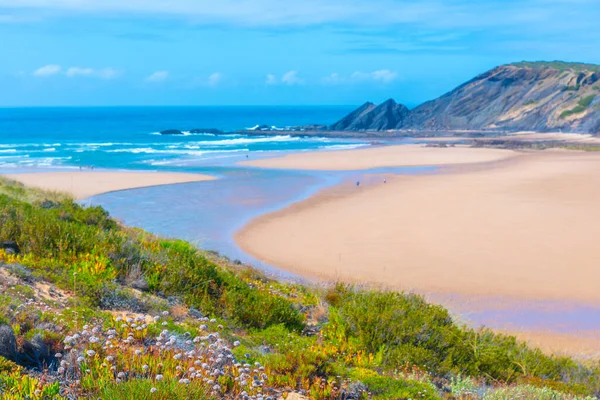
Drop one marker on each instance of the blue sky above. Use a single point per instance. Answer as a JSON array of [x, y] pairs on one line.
[[242, 52]]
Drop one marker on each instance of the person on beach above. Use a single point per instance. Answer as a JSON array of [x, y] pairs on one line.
[[384, 180], [357, 183]]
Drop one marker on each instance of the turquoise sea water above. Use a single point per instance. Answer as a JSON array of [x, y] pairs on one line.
[[127, 137]]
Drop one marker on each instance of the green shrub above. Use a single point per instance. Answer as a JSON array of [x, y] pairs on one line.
[[386, 387], [463, 386], [529, 393], [405, 326], [141, 389], [581, 106], [586, 101], [256, 309]]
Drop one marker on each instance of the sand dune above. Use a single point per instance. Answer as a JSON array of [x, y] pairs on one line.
[[527, 228], [83, 184], [383, 156]]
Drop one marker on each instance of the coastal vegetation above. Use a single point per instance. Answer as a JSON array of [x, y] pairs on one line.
[[581, 106], [558, 65], [90, 308]]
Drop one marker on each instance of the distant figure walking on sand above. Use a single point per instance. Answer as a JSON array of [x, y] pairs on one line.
[[357, 183], [385, 181]]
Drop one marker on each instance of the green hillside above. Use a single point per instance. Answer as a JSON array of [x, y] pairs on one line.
[[560, 65]]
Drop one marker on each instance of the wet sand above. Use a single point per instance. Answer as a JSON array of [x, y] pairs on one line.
[[383, 156], [84, 184], [525, 228]]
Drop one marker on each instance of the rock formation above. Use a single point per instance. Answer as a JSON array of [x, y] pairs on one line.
[[539, 96]]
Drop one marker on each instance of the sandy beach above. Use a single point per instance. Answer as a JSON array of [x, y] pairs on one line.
[[525, 228], [382, 156], [84, 184]]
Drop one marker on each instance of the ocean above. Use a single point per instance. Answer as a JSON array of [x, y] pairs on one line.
[[128, 138]]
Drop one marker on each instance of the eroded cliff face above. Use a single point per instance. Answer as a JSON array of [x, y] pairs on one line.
[[525, 96], [387, 115], [353, 121]]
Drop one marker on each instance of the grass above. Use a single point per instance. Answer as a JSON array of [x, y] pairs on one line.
[[559, 65], [581, 106], [142, 389], [210, 328]]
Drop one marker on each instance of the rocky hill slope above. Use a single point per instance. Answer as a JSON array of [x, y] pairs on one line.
[[387, 115], [537, 96]]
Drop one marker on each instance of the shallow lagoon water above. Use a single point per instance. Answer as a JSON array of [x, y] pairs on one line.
[[208, 213]]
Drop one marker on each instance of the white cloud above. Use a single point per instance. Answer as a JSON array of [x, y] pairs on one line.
[[47, 70], [108, 73], [74, 72], [541, 14], [333, 79], [384, 76], [78, 71], [14, 19], [271, 79], [215, 78], [158, 76], [304, 12], [290, 78]]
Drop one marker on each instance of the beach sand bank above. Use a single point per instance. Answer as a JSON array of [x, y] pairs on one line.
[[382, 156], [84, 184], [526, 228]]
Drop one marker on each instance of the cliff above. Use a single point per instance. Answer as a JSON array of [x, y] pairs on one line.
[[388, 115], [537, 96]]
